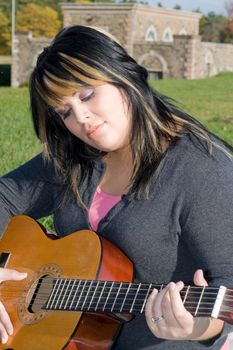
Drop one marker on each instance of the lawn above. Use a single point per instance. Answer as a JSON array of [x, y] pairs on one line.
[[208, 100]]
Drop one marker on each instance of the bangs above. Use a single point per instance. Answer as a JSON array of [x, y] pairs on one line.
[[68, 76]]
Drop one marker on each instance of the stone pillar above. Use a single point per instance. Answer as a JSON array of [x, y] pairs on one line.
[[190, 57], [15, 64]]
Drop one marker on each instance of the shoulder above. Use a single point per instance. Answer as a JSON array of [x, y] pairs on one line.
[[38, 169], [196, 158], [190, 168]]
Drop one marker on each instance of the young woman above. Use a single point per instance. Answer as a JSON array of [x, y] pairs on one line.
[[124, 161]]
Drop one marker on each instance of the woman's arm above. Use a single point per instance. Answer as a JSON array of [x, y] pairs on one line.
[[32, 189]]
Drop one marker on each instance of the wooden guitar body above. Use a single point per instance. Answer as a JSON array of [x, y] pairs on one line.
[[81, 255]]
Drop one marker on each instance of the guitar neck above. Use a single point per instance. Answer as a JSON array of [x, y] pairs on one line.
[[124, 297]]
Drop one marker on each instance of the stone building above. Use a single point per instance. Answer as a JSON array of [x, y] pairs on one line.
[[165, 41]]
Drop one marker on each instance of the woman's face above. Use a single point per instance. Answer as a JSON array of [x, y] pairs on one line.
[[99, 116]]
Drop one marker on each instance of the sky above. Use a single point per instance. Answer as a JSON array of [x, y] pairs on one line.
[[218, 6]]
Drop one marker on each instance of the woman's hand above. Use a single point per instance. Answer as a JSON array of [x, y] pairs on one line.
[[6, 327], [167, 317]]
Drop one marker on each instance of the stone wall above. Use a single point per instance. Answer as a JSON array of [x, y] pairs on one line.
[[131, 23], [26, 50], [213, 58], [112, 18], [140, 29]]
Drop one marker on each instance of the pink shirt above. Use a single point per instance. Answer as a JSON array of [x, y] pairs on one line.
[[100, 206]]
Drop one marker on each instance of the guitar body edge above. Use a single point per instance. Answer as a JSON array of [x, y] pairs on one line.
[[99, 331]]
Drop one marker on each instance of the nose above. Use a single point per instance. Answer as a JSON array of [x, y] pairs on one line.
[[80, 111]]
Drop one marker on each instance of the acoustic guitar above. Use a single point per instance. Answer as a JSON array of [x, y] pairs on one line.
[[79, 290]]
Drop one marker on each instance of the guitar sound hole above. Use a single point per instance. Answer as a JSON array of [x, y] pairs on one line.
[[40, 294]]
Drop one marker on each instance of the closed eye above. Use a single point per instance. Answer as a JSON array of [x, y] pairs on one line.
[[86, 94], [64, 113]]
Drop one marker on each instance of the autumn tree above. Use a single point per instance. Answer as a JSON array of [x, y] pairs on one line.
[[40, 21], [5, 37], [229, 9], [213, 28]]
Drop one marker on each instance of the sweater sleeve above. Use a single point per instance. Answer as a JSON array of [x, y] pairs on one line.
[[32, 189], [208, 231]]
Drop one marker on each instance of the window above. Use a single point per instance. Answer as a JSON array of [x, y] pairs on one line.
[[151, 34], [182, 32], [167, 35]]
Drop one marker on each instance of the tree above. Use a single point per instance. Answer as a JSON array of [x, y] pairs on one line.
[[41, 21], [5, 37], [177, 7], [215, 28], [229, 8], [159, 4]]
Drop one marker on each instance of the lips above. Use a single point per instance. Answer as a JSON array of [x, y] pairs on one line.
[[93, 129]]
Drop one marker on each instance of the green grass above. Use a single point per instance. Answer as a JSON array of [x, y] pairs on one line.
[[17, 142], [208, 100]]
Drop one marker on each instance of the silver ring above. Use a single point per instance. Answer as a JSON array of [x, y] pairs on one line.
[[157, 319]]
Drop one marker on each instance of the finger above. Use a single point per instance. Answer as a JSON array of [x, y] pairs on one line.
[[157, 308], [3, 334], [5, 319], [149, 305], [182, 316], [10, 274], [199, 279]]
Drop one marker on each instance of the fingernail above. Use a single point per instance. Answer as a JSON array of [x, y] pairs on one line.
[[10, 331], [172, 285], [4, 339]]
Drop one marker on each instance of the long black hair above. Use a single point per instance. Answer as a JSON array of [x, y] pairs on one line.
[[83, 56]]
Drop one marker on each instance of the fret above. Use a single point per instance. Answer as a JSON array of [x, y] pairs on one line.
[[146, 297], [126, 294], [60, 294], [57, 290], [106, 300], [76, 291], [119, 288], [51, 298], [186, 294], [83, 304], [199, 301], [68, 298], [103, 287], [64, 294], [93, 296], [135, 297], [80, 296]]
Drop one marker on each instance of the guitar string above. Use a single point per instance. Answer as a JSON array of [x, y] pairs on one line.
[[134, 285], [142, 300], [207, 312], [44, 296]]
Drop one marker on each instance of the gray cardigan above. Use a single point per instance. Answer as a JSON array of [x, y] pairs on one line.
[[187, 223]]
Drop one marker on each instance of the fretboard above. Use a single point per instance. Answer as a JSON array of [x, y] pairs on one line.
[[122, 297]]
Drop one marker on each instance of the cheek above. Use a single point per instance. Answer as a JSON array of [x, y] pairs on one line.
[[72, 127]]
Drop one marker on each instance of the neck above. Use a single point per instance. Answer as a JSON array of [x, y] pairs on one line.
[[123, 297], [122, 157]]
